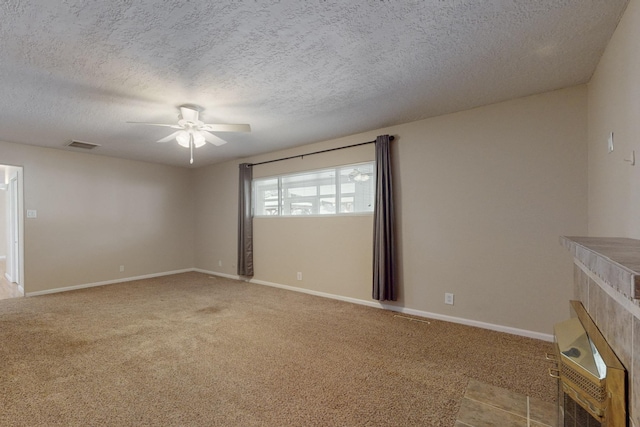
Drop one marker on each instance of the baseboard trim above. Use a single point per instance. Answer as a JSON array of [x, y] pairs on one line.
[[215, 273], [476, 323], [107, 282], [414, 312]]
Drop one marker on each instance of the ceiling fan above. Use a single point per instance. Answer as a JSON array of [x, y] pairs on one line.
[[193, 133]]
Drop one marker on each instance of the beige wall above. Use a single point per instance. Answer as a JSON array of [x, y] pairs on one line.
[[96, 213], [614, 106], [482, 197], [216, 224], [216, 209]]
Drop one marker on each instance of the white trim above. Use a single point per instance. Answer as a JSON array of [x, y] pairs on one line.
[[3, 257], [474, 323], [215, 273], [411, 311], [329, 215], [8, 277], [107, 282]]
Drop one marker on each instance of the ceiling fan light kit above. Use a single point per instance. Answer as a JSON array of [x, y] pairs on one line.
[[184, 138], [193, 133]]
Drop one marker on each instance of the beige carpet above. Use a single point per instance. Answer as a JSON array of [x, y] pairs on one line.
[[7, 289], [194, 350]]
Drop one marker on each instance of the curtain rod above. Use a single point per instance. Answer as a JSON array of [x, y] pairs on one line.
[[391, 138]]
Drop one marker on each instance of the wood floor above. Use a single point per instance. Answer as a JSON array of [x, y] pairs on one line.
[[7, 289]]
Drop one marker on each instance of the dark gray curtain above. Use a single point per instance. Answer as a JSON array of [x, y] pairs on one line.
[[384, 267], [245, 222]]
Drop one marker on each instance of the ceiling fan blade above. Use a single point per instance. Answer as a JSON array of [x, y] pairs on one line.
[[169, 138], [189, 114], [157, 124], [212, 138], [226, 128]]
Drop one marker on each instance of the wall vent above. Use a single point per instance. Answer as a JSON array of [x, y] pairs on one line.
[[82, 144]]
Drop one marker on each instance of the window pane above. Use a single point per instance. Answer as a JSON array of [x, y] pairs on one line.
[[300, 208], [348, 188], [327, 190], [301, 192], [266, 196], [358, 183], [345, 189], [327, 205], [346, 204]]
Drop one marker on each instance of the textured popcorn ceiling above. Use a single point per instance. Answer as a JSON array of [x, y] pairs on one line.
[[297, 71]]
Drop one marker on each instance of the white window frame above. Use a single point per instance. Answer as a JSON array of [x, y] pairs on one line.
[[337, 194]]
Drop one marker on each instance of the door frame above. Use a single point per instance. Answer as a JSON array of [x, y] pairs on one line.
[[15, 224]]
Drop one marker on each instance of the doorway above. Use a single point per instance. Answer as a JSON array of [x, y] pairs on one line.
[[12, 236]]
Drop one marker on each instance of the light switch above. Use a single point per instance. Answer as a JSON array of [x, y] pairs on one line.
[[32, 213]]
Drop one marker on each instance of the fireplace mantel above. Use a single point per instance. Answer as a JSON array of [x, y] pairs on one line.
[[615, 260]]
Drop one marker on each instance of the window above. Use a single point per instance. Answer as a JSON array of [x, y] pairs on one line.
[[340, 190]]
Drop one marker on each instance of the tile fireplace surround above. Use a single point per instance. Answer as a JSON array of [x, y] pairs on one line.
[[607, 282]]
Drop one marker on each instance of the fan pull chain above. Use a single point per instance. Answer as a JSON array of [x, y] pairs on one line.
[[191, 146]]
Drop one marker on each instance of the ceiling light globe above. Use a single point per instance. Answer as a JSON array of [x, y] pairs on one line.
[[183, 138], [198, 139]]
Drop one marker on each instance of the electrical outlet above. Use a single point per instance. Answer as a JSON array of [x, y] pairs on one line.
[[121, 268], [219, 263], [448, 298], [299, 276]]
